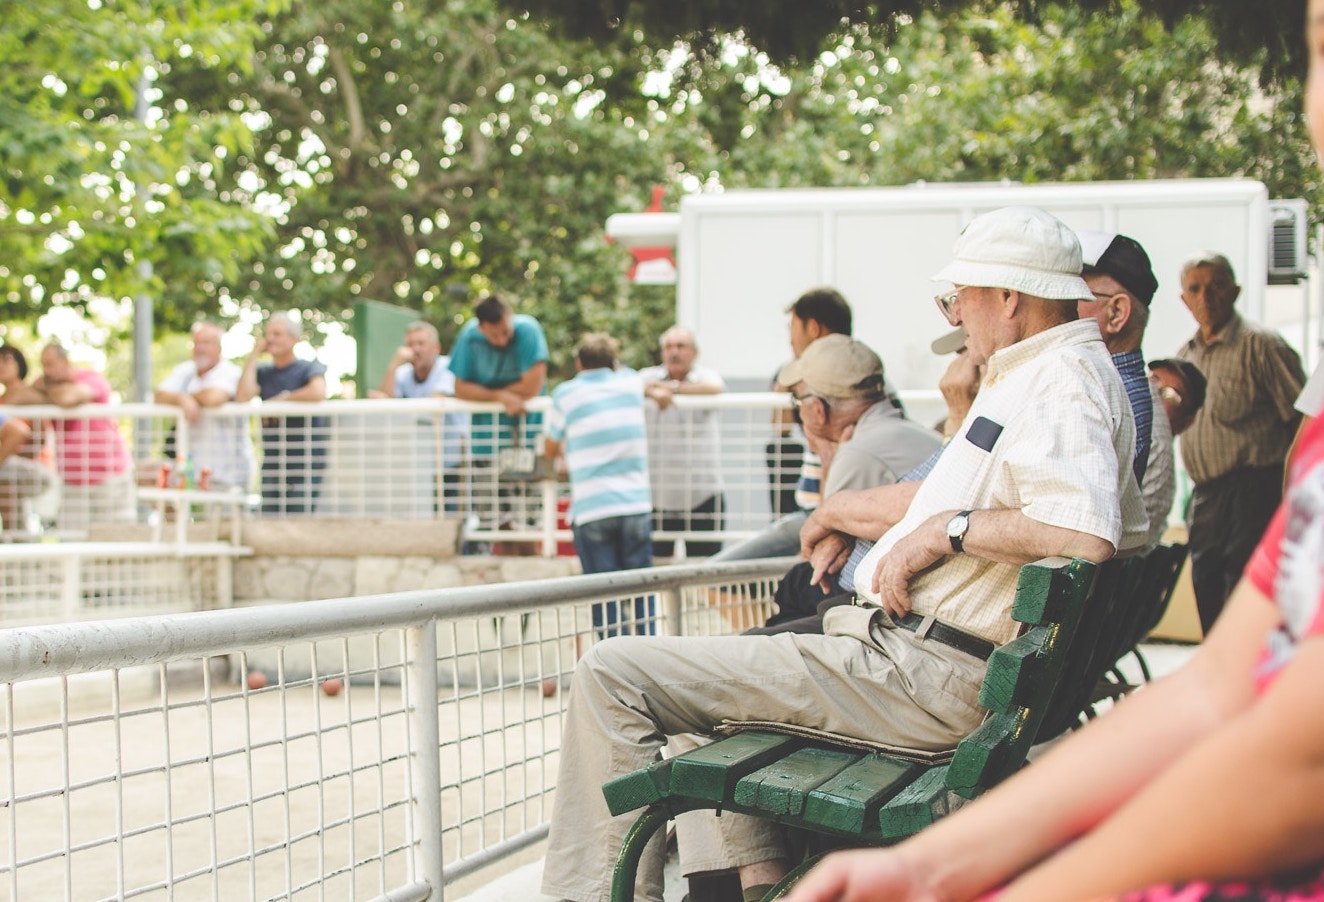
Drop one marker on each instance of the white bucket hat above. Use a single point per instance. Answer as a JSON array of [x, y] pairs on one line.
[[1021, 249]]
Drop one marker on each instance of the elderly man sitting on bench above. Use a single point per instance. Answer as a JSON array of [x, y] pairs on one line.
[[1041, 467]]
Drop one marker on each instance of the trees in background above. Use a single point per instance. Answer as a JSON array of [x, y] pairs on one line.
[[310, 155], [110, 185]]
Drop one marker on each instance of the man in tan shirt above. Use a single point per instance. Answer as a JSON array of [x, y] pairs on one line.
[[1236, 445]]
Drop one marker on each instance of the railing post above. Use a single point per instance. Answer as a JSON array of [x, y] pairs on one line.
[[71, 588], [424, 754], [671, 625], [548, 517]]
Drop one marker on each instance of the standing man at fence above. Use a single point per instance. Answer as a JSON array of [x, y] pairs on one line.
[[91, 456], [293, 447], [684, 446], [597, 420], [1235, 448], [220, 444], [418, 369], [499, 356]]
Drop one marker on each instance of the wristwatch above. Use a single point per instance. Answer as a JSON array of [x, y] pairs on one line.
[[957, 527]]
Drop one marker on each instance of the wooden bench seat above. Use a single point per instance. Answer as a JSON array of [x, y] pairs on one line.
[[864, 795]]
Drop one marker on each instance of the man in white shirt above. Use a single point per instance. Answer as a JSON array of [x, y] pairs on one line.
[[218, 443]]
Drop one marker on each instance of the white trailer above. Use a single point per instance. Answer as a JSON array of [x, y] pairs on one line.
[[744, 256]]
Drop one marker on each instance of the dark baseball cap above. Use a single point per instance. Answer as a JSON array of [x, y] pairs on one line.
[[1122, 258]]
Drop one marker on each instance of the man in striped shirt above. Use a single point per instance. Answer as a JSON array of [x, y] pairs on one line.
[[597, 421]]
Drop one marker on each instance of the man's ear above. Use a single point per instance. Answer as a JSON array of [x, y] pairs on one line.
[[1011, 302], [1119, 313]]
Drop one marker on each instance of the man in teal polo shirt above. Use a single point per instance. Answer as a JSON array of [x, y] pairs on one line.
[[499, 356]]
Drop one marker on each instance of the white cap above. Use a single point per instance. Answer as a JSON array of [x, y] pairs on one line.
[[1019, 248]]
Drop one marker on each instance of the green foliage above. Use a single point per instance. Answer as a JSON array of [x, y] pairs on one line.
[[985, 98], [425, 152], [1267, 32], [104, 194]]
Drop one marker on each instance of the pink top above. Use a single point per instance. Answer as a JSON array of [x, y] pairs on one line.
[[1288, 565], [90, 450]]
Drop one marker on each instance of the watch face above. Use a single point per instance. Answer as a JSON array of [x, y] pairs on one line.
[[957, 526]]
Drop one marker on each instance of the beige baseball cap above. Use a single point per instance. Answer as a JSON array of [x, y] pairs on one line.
[[950, 343], [836, 366]]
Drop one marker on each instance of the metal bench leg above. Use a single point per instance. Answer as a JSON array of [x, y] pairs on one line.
[[654, 818], [787, 883]]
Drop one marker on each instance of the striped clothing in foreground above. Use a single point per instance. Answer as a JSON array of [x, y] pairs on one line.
[[598, 417]]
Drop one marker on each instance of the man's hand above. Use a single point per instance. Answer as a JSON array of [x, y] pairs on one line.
[[909, 557], [826, 448], [403, 354], [959, 385], [192, 409], [827, 558], [660, 393], [67, 394], [813, 531], [513, 403]]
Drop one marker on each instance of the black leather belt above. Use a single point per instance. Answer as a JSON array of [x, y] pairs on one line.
[[947, 635]]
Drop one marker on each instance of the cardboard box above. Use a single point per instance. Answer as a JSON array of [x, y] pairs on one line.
[[1181, 622]]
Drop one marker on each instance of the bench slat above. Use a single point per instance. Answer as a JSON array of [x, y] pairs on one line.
[[783, 786], [851, 799], [985, 756], [638, 788], [1015, 673], [712, 771], [916, 806]]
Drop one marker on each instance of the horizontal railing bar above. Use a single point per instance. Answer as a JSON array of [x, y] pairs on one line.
[[494, 853], [48, 650]]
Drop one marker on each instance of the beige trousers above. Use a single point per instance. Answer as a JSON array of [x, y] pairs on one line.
[[630, 693]]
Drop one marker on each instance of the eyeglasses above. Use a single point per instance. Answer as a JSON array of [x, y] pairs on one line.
[[797, 401], [947, 304]]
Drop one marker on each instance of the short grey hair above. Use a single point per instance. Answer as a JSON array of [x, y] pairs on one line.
[[292, 320], [679, 330], [1209, 258], [419, 325]]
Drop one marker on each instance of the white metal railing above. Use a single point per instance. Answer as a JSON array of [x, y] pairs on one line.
[[367, 748], [421, 458]]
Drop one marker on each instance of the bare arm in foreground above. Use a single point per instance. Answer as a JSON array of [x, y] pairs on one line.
[[1170, 795]]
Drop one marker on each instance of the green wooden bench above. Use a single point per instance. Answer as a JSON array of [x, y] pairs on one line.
[[1129, 598], [855, 793]]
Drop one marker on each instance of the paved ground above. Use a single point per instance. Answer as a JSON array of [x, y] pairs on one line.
[[522, 882]]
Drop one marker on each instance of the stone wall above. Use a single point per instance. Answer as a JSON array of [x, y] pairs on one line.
[[314, 558]]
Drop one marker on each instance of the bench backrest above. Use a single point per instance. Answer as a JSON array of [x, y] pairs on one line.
[[1027, 677], [1129, 596]]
